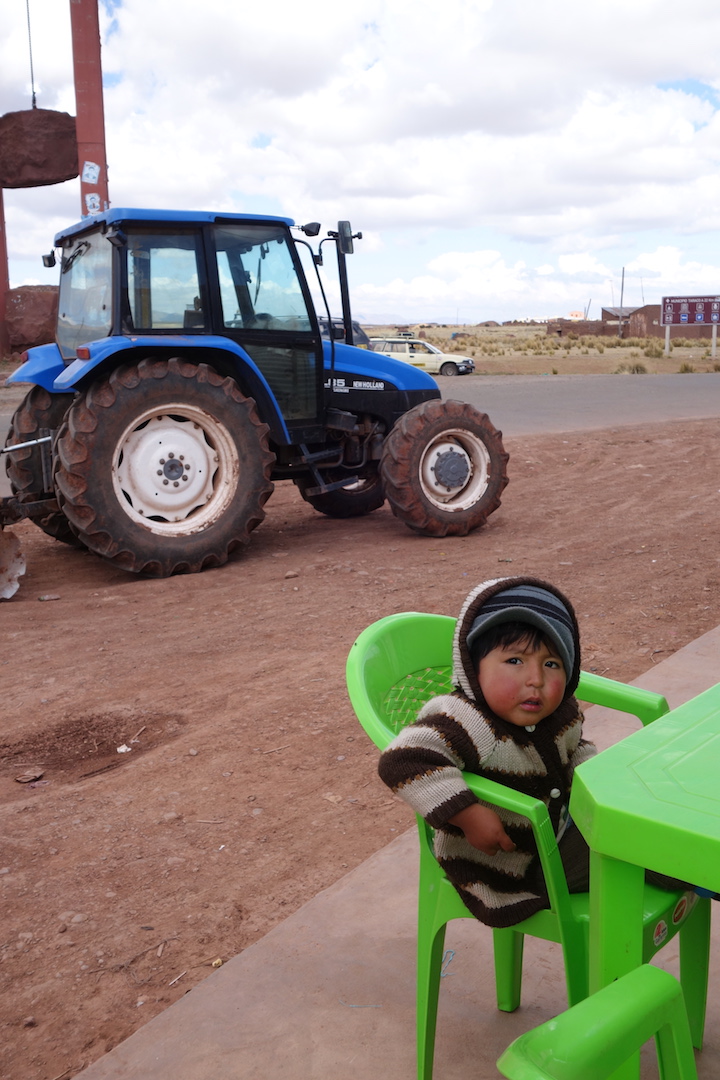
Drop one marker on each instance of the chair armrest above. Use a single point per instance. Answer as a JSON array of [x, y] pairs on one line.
[[644, 704], [536, 812]]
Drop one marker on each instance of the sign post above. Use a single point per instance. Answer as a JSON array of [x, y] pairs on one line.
[[687, 311]]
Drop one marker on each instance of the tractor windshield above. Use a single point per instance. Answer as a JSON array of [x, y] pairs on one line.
[[85, 302]]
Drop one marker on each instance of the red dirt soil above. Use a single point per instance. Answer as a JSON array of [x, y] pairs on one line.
[[249, 785]]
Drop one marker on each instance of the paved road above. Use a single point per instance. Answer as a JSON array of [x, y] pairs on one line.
[[534, 404]]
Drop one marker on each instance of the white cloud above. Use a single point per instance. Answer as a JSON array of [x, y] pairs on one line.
[[522, 134]]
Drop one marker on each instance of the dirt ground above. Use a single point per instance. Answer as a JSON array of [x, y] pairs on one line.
[[249, 786]]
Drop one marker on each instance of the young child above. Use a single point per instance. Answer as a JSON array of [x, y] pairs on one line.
[[512, 718]]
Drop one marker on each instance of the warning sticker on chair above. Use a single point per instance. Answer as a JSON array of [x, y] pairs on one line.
[[660, 933]]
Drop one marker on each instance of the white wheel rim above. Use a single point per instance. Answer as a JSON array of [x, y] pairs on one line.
[[175, 471], [465, 480]]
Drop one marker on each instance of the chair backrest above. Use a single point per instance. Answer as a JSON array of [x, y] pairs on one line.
[[395, 666], [400, 662]]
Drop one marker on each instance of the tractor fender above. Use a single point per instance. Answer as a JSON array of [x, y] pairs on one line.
[[43, 365], [235, 362]]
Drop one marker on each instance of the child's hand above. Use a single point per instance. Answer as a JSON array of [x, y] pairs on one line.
[[483, 829]]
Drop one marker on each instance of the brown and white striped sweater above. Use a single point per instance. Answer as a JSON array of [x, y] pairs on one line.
[[458, 733]]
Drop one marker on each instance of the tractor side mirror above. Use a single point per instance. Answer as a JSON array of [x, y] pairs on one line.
[[345, 237]]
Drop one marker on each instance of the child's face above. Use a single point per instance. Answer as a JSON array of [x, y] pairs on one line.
[[520, 684]]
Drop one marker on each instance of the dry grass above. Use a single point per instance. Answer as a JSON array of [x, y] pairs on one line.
[[529, 350]]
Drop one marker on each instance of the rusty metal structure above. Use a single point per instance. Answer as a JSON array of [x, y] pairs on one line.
[[42, 147], [42, 141]]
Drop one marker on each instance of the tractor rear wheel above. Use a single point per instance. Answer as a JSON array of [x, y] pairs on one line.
[[356, 500], [39, 409], [444, 468], [164, 467]]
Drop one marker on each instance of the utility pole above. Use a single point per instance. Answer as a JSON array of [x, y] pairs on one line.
[[89, 109], [622, 290]]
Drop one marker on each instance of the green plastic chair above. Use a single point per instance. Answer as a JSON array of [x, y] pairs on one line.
[[394, 667], [595, 1037]]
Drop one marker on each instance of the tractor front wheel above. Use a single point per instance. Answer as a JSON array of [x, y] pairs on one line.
[[444, 468], [164, 467]]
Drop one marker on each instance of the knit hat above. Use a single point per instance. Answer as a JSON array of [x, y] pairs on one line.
[[533, 605]]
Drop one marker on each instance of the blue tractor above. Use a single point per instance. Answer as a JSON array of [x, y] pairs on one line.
[[189, 372]]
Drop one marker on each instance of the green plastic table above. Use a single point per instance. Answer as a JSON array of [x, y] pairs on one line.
[[651, 800]]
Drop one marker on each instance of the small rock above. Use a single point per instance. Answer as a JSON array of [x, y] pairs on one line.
[[291, 574], [174, 860], [193, 753], [29, 1021], [170, 816], [79, 918]]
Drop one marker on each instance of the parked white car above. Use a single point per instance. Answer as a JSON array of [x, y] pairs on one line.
[[424, 355]]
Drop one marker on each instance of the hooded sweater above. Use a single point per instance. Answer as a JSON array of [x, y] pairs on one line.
[[457, 733]]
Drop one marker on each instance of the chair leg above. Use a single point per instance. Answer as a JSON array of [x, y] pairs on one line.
[[429, 964], [508, 949], [694, 962]]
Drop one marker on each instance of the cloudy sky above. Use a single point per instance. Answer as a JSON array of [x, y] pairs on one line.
[[503, 158]]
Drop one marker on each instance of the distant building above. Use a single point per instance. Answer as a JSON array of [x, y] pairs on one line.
[[645, 322], [613, 314], [637, 322]]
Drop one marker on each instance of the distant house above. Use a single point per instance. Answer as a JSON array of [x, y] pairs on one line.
[[614, 314], [645, 322]]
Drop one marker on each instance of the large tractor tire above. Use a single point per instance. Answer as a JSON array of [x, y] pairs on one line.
[[444, 468], [358, 499], [164, 467], [39, 409]]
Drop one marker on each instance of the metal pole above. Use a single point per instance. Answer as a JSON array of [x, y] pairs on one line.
[[713, 348], [4, 284], [344, 295], [667, 339], [90, 118], [622, 290]]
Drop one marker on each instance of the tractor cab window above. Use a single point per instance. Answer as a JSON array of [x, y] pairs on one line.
[[164, 288], [263, 306], [259, 284], [85, 301]]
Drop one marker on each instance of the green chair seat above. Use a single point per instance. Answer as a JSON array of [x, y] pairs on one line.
[[594, 1038]]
